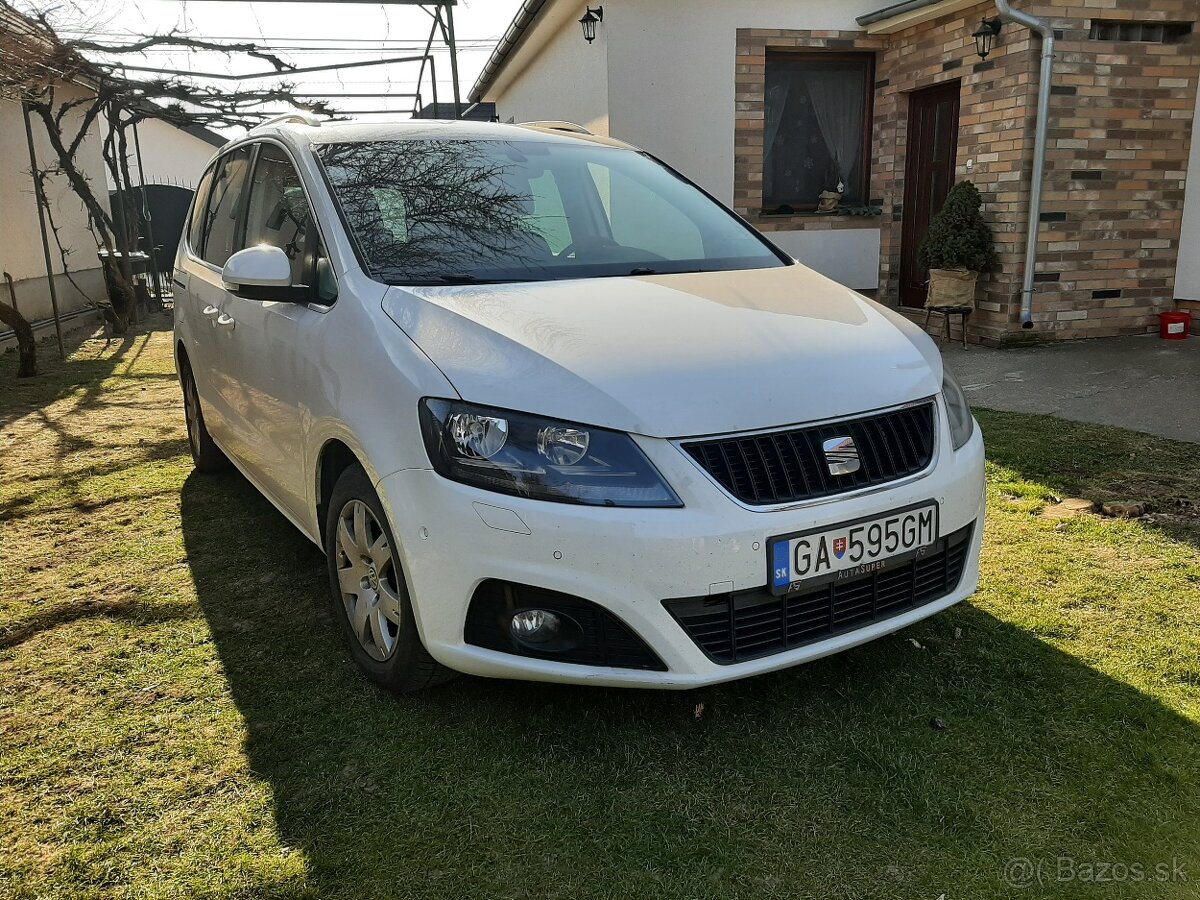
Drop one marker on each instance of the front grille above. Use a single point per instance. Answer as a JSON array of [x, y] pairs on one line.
[[748, 624], [605, 641], [788, 466]]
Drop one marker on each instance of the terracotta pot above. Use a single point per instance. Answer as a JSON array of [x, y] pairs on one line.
[[951, 288]]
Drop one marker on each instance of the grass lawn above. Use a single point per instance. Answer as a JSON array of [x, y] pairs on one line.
[[179, 719]]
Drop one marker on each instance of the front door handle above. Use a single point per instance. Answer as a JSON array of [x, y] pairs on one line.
[[210, 311], [224, 320]]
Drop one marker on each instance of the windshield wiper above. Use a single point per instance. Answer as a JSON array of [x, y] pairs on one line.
[[647, 270], [459, 278]]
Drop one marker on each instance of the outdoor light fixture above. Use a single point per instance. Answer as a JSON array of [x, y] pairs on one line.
[[985, 37], [589, 20]]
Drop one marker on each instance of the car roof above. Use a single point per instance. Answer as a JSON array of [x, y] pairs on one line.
[[354, 131]]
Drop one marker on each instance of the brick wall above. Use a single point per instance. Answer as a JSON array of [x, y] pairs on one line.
[[1120, 130], [997, 100], [1121, 121]]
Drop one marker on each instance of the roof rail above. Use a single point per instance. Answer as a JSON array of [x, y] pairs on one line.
[[555, 125], [301, 117]]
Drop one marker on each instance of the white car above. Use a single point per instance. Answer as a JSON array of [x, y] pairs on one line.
[[552, 412]]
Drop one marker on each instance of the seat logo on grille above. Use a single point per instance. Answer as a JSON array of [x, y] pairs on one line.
[[841, 455]]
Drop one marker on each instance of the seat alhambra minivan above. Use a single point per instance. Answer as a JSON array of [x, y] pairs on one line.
[[553, 412]]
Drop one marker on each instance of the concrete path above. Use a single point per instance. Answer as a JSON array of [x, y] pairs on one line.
[[1141, 383]]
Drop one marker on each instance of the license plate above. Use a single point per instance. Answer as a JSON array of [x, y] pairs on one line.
[[854, 548]]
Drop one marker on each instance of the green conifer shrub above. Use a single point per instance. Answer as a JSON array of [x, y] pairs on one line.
[[958, 236]]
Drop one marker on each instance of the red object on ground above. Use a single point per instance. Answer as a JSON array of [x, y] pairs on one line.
[[1174, 326]]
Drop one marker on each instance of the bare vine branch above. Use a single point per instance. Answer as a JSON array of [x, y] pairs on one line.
[[105, 100], [176, 39]]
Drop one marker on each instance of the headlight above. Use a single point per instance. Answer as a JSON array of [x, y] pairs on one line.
[[544, 459], [962, 423]]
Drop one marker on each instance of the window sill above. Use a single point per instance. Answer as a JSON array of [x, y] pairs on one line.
[[802, 221], [860, 212]]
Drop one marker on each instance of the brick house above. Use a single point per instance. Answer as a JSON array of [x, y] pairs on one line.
[[767, 103]]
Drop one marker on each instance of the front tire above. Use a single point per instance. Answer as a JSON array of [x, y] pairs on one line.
[[370, 597]]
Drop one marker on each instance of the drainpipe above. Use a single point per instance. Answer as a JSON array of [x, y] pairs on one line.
[[1008, 14]]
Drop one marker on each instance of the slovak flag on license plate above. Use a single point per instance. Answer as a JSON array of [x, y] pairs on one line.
[[839, 547]]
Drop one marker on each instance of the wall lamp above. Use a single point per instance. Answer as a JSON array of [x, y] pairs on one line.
[[589, 21], [985, 37]]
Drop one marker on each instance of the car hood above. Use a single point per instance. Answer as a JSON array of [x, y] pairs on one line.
[[672, 355]]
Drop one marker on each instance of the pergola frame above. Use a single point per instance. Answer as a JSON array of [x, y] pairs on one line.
[[442, 13]]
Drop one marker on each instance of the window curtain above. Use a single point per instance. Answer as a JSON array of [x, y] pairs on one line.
[[776, 102], [837, 100]]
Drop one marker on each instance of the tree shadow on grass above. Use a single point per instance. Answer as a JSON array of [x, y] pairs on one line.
[[89, 430], [83, 373], [135, 611], [823, 781]]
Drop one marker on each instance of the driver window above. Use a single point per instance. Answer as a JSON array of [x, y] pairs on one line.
[[640, 218], [278, 213]]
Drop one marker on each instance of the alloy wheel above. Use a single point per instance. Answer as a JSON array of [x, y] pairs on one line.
[[368, 580]]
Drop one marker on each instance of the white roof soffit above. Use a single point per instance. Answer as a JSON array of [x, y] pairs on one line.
[[536, 25], [916, 16]]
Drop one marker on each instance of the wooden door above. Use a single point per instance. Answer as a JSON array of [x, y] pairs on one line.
[[928, 177]]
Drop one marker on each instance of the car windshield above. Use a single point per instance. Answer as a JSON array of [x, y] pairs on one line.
[[468, 211]]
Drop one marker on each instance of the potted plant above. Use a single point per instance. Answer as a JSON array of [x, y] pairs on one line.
[[957, 249]]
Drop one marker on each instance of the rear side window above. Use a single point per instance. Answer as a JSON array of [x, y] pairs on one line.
[[278, 212], [195, 235], [224, 208]]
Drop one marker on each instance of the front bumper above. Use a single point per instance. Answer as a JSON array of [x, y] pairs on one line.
[[453, 537]]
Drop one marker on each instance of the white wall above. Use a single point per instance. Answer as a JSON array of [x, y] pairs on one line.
[[1187, 276], [20, 238], [670, 89], [555, 74], [850, 256], [171, 156], [671, 72]]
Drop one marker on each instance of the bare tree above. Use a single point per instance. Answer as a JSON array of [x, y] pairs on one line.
[[36, 65]]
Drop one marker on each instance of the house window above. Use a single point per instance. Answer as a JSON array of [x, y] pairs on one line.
[[817, 130]]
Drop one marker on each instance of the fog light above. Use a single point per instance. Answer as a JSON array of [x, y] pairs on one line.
[[535, 626]]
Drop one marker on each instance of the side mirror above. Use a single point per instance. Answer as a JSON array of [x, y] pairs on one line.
[[257, 267]]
